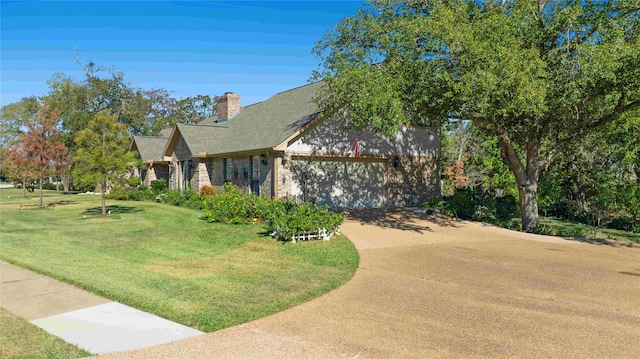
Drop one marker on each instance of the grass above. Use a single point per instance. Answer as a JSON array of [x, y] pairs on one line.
[[578, 230], [21, 339], [165, 260]]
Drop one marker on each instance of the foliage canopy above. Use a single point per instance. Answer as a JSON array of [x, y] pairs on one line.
[[537, 75]]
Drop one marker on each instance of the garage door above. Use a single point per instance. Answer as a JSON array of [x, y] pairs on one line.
[[339, 184]]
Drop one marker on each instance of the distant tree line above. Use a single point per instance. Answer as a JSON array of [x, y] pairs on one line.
[[67, 111], [48, 135]]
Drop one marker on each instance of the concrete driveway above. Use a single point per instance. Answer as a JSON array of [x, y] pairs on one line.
[[430, 288]]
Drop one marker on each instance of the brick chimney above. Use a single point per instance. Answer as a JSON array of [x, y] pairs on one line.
[[228, 106]]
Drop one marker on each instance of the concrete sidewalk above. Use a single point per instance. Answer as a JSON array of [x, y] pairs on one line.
[[82, 318]]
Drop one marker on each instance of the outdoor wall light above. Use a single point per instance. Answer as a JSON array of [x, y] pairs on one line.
[[263, 159], [235, 172], [396, 162], [245, 172], [285, 159]]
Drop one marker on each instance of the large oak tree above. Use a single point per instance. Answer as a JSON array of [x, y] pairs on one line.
[[537, 75]]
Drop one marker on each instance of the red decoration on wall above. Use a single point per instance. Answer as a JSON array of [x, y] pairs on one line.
[[356, 147]]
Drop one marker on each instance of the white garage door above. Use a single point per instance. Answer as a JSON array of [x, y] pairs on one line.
[[339, 184]]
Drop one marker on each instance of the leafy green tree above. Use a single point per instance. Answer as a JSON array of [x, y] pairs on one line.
[[537, 75], [596, 178], [196, 108], [102, 154], [14, 117]]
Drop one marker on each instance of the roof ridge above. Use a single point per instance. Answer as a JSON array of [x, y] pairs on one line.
[[296, 88], [215, 125]]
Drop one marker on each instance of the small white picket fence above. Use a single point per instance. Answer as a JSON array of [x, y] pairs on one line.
[[307, 236]]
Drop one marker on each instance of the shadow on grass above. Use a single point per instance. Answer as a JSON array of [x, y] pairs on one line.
[[405, 219], [60, 203], [602, 241], [97, 211]]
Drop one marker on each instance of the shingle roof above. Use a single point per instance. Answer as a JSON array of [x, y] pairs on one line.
[[150, 148], [260, 126], [269, 123], [201, 138]]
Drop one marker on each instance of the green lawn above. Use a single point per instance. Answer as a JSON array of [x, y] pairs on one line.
[[21, 339], [578, 230], [166, 260]]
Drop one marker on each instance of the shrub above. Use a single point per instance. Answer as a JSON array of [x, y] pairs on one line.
[[207, 191], [284, 219], [158, 186], [133, 181], [120, 193], [464, 203], [506, 207], [232, 206], [187, 198]]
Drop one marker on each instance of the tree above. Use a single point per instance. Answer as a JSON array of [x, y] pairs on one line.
[[195, 109], [102, 154], [536, 75], [17, 166], [13, 119], [40, 148]]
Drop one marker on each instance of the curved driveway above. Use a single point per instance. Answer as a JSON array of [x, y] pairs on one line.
[[429, 288]]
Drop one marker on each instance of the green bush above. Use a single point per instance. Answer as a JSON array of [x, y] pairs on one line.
[[282, 218], [232, 206], [133, 181], [158, 186], [506, 207], [286, 219], [187, 198], [120, 193], [484, 206]]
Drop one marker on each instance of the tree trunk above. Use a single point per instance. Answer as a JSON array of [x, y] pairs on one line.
[[24, 187], [529, 204], [104, 198], [65, 182], [40, 200], [526, 178]]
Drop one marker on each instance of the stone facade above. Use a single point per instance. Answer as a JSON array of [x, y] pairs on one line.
[[283, 178]]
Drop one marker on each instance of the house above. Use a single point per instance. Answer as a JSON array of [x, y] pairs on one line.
[[150, 149], [284, 148]]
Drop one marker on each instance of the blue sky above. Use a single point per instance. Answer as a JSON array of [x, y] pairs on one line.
[[255, 49]]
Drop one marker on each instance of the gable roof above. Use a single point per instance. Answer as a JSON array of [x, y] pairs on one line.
[[198, 138], [150, 148], [261, 126]]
